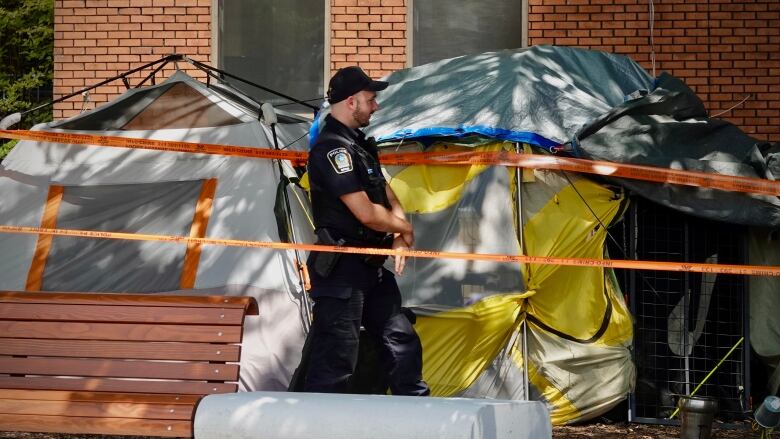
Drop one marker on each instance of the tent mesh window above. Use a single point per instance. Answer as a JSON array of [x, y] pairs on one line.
[[174, 105], [685, 323], [181, 106], [108, 265]]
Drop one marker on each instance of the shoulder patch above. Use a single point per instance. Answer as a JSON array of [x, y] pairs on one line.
[[340, 159]]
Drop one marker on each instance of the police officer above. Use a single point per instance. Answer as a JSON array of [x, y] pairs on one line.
[[353, 205]]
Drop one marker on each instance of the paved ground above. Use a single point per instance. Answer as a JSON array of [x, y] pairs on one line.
[[588, 431], [642, 431]]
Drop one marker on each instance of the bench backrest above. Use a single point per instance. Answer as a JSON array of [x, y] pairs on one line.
[[132, 343]]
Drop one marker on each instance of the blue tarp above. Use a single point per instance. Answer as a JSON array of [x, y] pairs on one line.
[[606, 105], [542, 95]]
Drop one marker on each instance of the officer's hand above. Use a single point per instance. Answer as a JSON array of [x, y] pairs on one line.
[[408, 237], [400, 261]]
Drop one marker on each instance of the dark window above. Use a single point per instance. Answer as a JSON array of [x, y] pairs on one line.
[[444, 29], [279, 44]]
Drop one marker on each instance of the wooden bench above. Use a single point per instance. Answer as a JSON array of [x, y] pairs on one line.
[[115, 363]]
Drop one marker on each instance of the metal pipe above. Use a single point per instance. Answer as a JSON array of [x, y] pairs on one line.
[[686, 309], [269, 115], [521, 242], [151, 75], [739, 342], [104, 82], [229, 75]]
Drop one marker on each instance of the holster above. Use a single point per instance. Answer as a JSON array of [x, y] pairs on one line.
[[377, 261], [325, 262]]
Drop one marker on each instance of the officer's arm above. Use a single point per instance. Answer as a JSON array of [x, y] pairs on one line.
[[398, 211], [375, 216], [394, 203], [400, 240]]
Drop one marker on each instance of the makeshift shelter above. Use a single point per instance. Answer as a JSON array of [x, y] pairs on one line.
[[156, 192], [565, 329], [554, 333]]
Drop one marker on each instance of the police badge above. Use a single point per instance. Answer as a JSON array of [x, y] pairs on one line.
[[340, 159]]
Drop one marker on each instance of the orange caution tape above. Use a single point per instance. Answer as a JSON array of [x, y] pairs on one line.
[[156, 145], [200, 222], [503, 158], [750, 270], [43, 246], [608, 169]]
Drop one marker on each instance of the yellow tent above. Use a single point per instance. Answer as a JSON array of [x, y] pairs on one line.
[[477, 320]]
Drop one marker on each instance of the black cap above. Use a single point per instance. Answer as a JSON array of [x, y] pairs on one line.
[[350, 80]]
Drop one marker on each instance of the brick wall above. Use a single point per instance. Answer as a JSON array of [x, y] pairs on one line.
[[97, 39], [723, 49], [368, 33]]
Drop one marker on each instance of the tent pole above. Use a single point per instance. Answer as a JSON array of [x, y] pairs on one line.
[[123, 76], [521, 242], [203, 66], [519, 210], [269, 115], [151, 75]]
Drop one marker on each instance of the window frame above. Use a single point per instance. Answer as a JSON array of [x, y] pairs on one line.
[[410, 29], [215, 55]]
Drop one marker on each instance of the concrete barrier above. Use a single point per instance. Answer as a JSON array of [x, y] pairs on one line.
[[281, 415]]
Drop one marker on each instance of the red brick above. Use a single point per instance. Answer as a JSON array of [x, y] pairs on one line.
[[185, 34], [122, 18], [393, 18], [97, 50], [72, 50], [357, 58], [393, 34], [345, 34], [73, 19], [175, 42], [393, 65], [344, 18], [199, 26], [142, 50], [357, 26], [394, 50], [701, 42], [342, 49]]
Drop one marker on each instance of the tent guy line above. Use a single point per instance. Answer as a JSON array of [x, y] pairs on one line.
[[503, 158], [749, 270]]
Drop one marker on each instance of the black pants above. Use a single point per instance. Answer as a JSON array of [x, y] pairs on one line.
[[335, 333]]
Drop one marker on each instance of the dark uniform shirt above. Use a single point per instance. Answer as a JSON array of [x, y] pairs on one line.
[[343, 161]]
